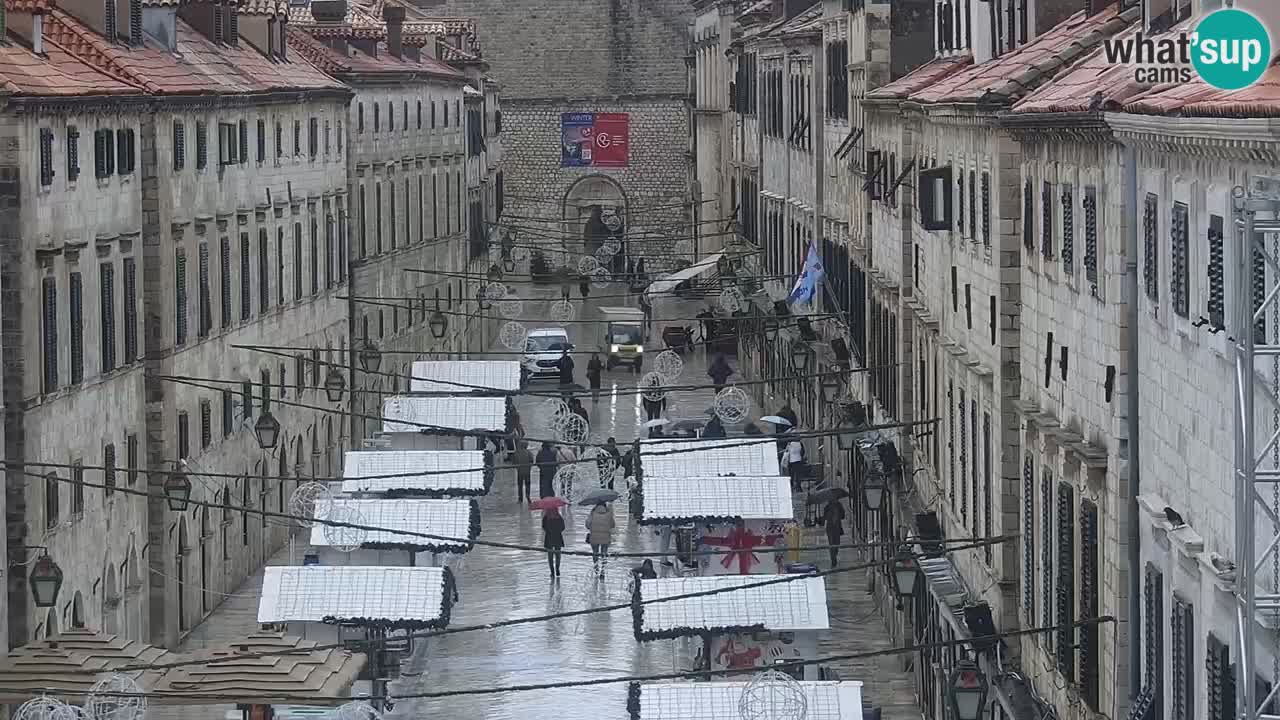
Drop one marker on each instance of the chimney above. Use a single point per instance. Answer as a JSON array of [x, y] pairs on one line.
[[394, 15]]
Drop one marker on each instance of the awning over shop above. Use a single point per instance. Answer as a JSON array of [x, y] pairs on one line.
[[739, 456], [67, 666], [796, 605], [444, 414], [458, 519], [669, 282], [670, 500], [444, 472], [465, 377], [375, 596], [720, 700]]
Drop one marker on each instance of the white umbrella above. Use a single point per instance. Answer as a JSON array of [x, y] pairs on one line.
[[776, 420], [656, 423]]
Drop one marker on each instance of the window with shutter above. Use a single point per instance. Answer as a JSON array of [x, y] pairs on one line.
[[315, 254], [265, 390], [1182, 626], [242, 132], [338, 139], [130, 311], [1221, 679], [264, 272], [204, 292], [1090, 656], [391, 117], [73, 154], [960, 201], [135, 22], [1150, 256], [964, 461], [1046, 220], [262, 140], [100, 141], [1066, 599], [422, 210], [246, 279], [228, 413], [279, 140], [46, 157], [317, 366], [76, 311], [280, 266], [297, 261], [391, 213], [297, 138], [408, 214], [224, 280], [109, 22], [328, 140], [49, 332], [1216, 305], [975, 454], [77, 489], [1068, 229], [131, 459], [299, 373], [202, 145], [986, 209], [1259, 290], [951, 439], [246, 400], [184, 440], [206, 424], [1028, 217], [52, 492], [1029, 540], [180, 296], [1153, 635], [313, 137], [1180, 272], [179, 145], [1048, 572], [330, 259], [973, 204], [123, 141], [107, 308]]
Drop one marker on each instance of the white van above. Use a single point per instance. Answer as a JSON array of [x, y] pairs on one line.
[[543, 350]]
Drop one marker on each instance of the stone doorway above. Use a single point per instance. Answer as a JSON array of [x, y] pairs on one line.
[[595, 208]]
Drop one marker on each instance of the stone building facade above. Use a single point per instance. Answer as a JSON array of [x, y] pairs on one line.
[[712, 34], [597, 56]]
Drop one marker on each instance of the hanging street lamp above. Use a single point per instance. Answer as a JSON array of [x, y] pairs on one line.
[[46, 581], [267, 429], [335, 385], [482, 300], [771, 326], [800, 356], [495, 273], [370, 357], [438, 324], [509, 264], [905, 573], [847, 437], [968, 691], [177, 491], [873, 492], [830, 384]]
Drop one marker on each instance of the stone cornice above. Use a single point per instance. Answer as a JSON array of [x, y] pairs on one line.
[[1062, 125], [508, 102], [1248, 138]]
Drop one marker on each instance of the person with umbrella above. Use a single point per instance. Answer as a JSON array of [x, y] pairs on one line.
[[566, 368], [523, 461], [786, 413], [833, 522], [600, 527], [546, 461], [594, 366], [719, 371], [553, 538]]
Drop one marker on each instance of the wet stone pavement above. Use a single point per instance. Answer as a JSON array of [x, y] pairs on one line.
[[497, 584]]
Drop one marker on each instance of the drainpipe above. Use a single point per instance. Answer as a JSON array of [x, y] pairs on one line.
[[1135, 550]]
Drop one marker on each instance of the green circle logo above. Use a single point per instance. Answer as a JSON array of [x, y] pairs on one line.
[[1231, 49]]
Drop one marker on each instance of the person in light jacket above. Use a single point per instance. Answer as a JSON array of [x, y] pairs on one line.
[[600, 524]]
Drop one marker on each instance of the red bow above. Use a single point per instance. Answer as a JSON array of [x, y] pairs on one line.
[[740, 542]]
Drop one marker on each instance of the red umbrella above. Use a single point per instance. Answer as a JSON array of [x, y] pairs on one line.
[[547, 503]]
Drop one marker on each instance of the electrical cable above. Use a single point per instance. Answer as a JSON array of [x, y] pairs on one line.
[[375, 300]]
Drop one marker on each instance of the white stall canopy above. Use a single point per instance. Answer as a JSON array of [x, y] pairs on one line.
[[450, 520], [720, 700], [796, 605], [465, 377], [443, 471], [669, 500], [667, 283], [320, 593], [444, 414], [741, 456]]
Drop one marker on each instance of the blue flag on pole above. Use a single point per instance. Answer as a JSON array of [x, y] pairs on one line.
[[810, 278]]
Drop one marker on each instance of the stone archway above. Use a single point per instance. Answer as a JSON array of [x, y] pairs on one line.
[[585, 202]]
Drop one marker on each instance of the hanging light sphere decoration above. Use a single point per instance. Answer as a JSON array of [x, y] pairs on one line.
[[340, 537], [669, 365], [732, 405], [310, 501], [513, 335], [495, 291], [511, 306], [731, 300], [75, 712], [116, 697], [573, 430], [652, 387], [562, 311], [587, 265], [520, 253], [356, 710], [39, 708], [773, 695], [568, 481], [603, 466], [604, 257], [612, 245]]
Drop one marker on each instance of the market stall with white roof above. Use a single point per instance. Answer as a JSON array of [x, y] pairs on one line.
[[743, 456], [454, 525], [431, 422], [465, 377], [418, 473], [747, 625], [722, 700]]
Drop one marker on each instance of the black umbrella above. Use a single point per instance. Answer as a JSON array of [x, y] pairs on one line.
[[826, 495], [599, 496]]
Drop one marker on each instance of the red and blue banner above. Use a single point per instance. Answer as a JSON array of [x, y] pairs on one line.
[[594, 139]]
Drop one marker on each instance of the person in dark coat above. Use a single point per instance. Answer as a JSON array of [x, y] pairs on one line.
[[789, 414], [594, 367], [719, 371], [566, 368], [645, 571], [714, 428], [653, 408], [611, 447], [546, 461], [575, 406], [706, 319], [553, 539], [833, 522], [522, 459], [647, 308], [752, 429]]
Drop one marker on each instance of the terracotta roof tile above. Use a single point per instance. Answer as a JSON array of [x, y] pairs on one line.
[[332, 61], [58, 74], [922, 77], [450, 53], [1094, 84], [1017, 73], [1198, 99], [198, 67], [28, 6]]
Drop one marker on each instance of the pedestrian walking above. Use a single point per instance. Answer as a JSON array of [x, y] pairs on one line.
[[833, 521], [522, 459], [793, 459], [752, 429], [645, 571], [600, 526], [594, 367], [719, 371], [566, 369], [546, 461], [553, 539], [706, 319], [575, 407], [788, 414], [647, 308], [653, 408]]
